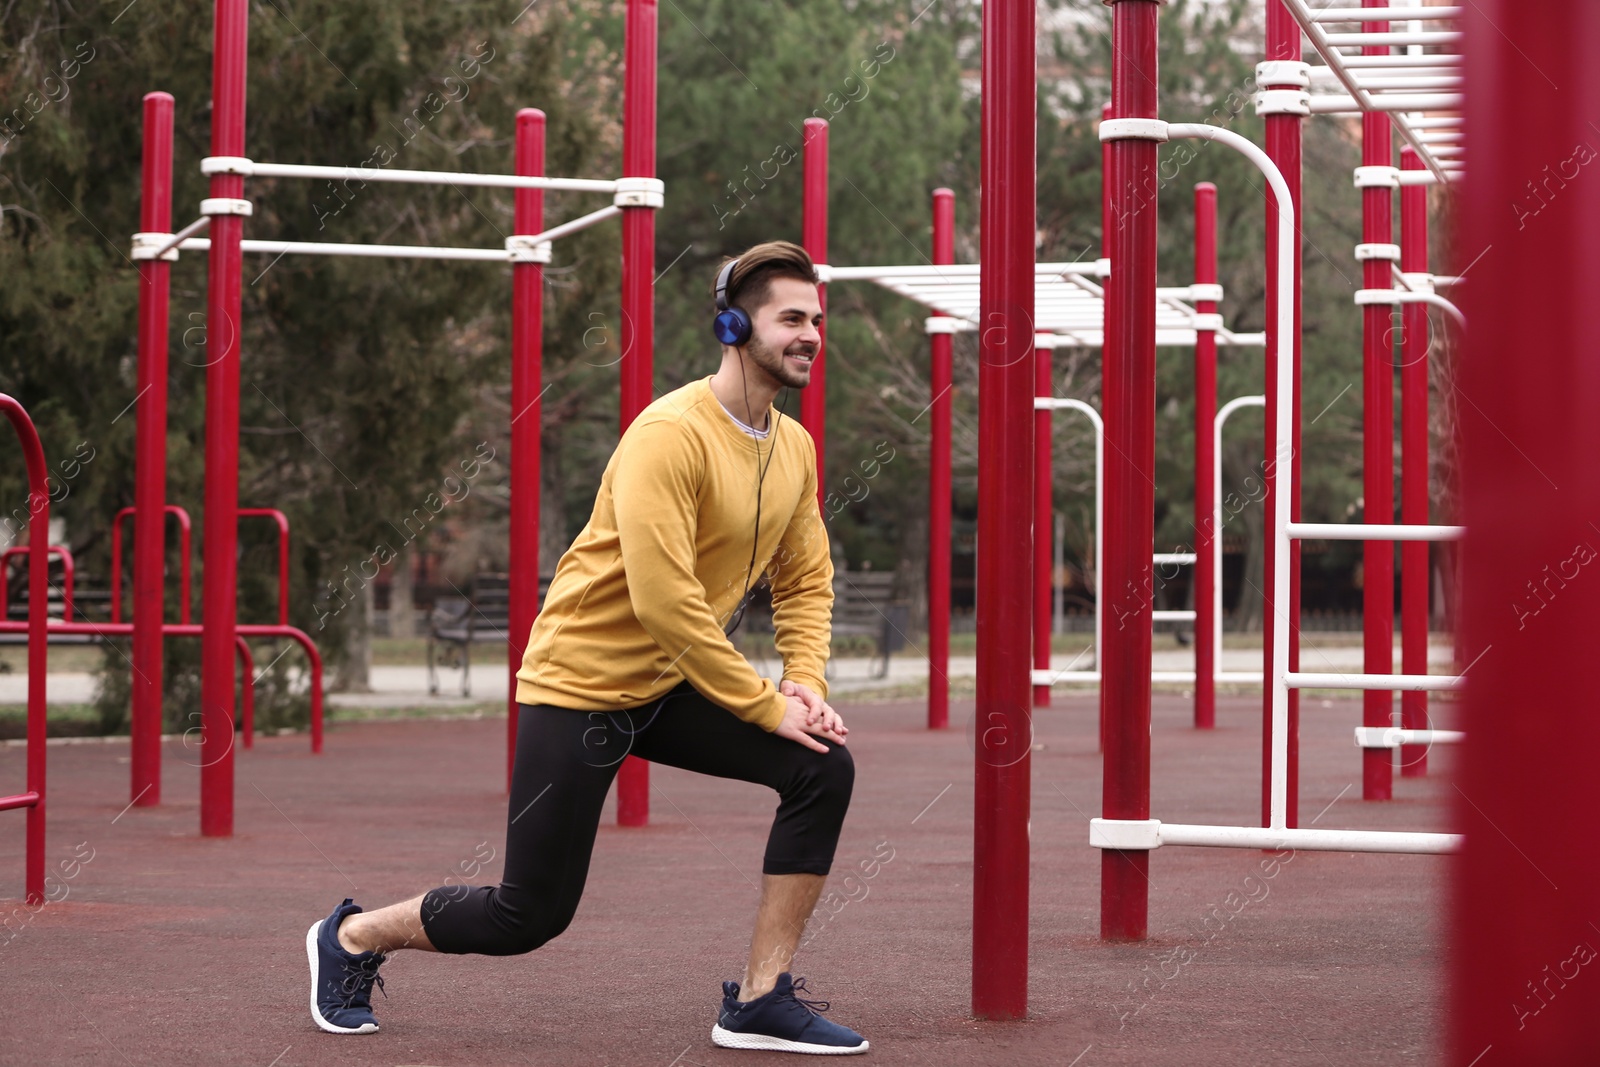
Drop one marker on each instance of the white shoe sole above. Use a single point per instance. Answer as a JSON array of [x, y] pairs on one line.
[[733, 1039], [316, 983]]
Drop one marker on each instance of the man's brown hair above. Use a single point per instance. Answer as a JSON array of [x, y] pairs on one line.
[[750, 287]]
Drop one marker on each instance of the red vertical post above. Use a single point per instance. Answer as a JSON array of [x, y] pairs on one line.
[[1130, 469], [638, 294], [150, 463], [1523, 942], [1377, 425], [1283, 145], [1205, 418], [1003, 730], [219, 591], [1043, 526], [814, 236], [1108, 320], [944, 251], [1414, 555], [527, 328]]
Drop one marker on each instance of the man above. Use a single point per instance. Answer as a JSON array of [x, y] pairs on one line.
[[707, 490]]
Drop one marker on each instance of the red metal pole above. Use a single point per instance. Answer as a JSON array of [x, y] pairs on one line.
[[1205, 418], [1130, 470], [814, 229], [1523, 940], [944, 251], [1003, 729], [1283, 145], [223, 280], [527, 418], [638, 295], [1377, 557], [150, 462], [38, 647], [1043, 514], [1108, 317], [1414, 555]]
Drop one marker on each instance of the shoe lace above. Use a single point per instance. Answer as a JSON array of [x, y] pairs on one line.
[[358, 983], [819, 1006]]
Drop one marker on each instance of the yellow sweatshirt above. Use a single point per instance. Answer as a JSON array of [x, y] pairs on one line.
[[639, 602]]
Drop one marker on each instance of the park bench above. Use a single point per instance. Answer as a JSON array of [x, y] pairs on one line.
[[482, 616], [865, 605]]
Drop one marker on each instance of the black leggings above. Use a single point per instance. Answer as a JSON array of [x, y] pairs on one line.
[[565, 763]]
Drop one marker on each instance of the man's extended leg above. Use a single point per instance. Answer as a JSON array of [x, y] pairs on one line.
[[786, 901], [387, 929]]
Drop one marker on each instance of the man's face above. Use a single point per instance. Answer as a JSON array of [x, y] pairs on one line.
[[785, 335]]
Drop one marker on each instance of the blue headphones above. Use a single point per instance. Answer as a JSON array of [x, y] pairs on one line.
[[732, 325]]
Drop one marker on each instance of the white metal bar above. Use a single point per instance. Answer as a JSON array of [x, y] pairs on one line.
[[1309, 840], [1361, 531], [582, 222], [183, 235], [1285, 336], [1394, 737], [1038, 677], [1172, 616], [1216, 519], [1408, 683], [1392, 39], [431, 177], [1340, 104], [1390, 14], [313, 248], [1177, 558], [1379, 62], [1060, 403], [951, 270]]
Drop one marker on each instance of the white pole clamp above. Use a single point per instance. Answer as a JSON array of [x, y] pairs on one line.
[[1044, 340], [1206, 291], [522, 248], [1133, 130], [824, 273], [1283, 102], [1102, 267], [1132, 835], [146, 243], [1207, 320], [1365, 252], [1277, 72], [1376, 296], [227, 165], [640, 192], [1377, 177], [225, 205], [943, 324]]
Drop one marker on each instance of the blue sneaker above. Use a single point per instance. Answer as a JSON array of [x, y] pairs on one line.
[[341, 981], [780, 1021]]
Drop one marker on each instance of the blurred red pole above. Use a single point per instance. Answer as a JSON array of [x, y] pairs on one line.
[[1130, 378], [814, 236], [220, 582], [944, 251], [1003, 730], [1414, 555], [1377, 424], [638, 294], [1523, 943], [1205, 419], [150, 462], [527, 414]]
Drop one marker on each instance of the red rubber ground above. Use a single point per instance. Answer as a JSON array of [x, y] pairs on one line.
[[169, 948]]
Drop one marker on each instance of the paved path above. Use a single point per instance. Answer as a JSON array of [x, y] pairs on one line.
[[408, 686]]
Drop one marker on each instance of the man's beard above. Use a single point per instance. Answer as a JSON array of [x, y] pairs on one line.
[[780, 370]]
